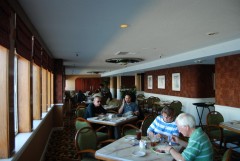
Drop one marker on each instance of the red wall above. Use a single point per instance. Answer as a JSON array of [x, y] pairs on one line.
[[228, 81], [196, 81]]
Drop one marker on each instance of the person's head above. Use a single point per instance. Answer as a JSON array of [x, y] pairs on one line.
[[97, 101], [185, 122], [127, 98], [101, 85], [168, 114]]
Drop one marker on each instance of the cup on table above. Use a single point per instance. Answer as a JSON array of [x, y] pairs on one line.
[[138, 134]]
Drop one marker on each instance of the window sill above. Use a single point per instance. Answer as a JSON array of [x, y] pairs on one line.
[[22, 139]]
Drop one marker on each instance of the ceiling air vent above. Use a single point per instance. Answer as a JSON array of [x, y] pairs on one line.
[[122, 53]]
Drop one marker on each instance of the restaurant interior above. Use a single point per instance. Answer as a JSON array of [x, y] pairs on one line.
[[58, 57]]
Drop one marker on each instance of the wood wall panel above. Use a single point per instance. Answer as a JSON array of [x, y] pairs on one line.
[[228, 81], [196, 81], [24, 111], [127, 81], [36, 92]]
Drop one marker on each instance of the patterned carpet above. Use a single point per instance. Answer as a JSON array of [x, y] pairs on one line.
[[61, 145]]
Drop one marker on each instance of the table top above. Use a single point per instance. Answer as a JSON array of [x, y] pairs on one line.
[[116, 121], [127, 149], [231, 125]]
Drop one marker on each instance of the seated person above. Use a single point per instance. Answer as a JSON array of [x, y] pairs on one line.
[[198, 146], [128, 106], [80, 96], [164, 125], [94, 108], [97, 93]]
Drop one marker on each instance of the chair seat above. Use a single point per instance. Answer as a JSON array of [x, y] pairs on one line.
[[130, 132], [101, 136]]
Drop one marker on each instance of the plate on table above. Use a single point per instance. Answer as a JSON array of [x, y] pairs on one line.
[[158, 151], [138, 153], [130, 137]]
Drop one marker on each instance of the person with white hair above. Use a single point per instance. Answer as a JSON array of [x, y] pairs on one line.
[[197, 148]]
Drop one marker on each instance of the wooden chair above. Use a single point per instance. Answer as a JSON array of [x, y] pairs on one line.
[[227, 155], [80, 112], [101, 132], [217, 133], [129, 129], [86, 144], [177, 106]]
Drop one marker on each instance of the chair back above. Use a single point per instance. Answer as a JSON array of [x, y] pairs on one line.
[[177, 106], [115, 102], [227, 155], [80, 112], [147, 122], [214, 118], [81, 123], [85, 139]]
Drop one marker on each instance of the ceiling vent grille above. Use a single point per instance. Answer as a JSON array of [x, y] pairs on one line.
[[122, 53]]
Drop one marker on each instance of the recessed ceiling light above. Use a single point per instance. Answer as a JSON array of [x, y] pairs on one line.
[[212, 33], [123, 26]]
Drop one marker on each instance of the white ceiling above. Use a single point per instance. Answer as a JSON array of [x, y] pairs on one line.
[[164, 33]]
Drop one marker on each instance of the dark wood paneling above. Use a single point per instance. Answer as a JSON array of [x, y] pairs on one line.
[[228, 81], [196, 81]]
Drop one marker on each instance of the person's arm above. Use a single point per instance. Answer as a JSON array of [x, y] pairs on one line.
[[176, 139], [103, 110], [90, 110], [120, 111], [136, 110], [175, 154]]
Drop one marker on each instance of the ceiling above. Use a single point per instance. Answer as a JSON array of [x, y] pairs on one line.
[[164, 33]]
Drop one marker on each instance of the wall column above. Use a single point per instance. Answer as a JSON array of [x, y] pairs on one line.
[[112, 87], [137, 82], [118, 87]]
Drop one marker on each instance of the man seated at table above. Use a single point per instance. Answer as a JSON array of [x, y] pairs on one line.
[[94, 108], [164, 125], [128, 107], [198, 146]]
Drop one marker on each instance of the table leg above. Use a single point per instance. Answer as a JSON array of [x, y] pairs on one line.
[[199, 116]]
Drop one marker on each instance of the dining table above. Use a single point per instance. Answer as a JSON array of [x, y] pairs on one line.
[[233, 125], [113, 120], [128, 148]]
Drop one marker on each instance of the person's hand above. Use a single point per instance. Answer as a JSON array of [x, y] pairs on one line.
[[175, 139], [158, 136], [123, 101], [150, 134]]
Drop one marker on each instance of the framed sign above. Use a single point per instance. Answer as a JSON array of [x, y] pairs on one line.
[[161, 81], [150, 82], [176, 82]]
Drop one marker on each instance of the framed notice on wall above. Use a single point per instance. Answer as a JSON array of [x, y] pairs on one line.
[[150, 82], [176, 82], [161, 81]]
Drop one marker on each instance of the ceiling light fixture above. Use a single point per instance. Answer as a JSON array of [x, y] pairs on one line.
[[123, 26], [96, 72], [124, 61], [212, 33]]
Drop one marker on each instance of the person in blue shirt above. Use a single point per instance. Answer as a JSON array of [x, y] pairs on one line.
[[164, 125], [128, 106]]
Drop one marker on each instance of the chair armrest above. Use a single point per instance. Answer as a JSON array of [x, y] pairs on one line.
[[102, 128], [128, 126]]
